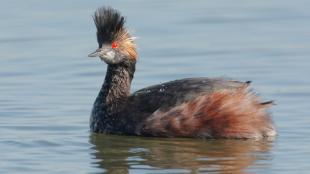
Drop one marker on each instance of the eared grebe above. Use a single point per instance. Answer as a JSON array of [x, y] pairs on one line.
[[192, 107]]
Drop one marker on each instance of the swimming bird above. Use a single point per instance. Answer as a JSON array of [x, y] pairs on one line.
[[192, 107]]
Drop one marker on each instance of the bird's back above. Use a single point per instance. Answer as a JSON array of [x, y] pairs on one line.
[[173, 93]]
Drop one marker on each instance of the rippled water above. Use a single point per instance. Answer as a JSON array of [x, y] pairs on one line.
[[48, 84]]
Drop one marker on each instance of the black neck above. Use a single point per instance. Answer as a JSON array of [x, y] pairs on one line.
[[117, 83]]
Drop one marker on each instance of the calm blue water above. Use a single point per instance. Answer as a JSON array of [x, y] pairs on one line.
[[48, 85]]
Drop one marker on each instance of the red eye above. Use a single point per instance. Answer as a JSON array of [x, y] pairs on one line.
[[114, 45]]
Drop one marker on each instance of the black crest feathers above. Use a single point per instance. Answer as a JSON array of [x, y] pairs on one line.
[[109, 24]]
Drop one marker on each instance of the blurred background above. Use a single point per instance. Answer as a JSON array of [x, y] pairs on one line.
[[48, 84]]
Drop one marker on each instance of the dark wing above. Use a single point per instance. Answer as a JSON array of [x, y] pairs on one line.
[[173, 93]]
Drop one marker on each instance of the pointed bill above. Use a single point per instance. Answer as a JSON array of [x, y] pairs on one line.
[[94, 54]]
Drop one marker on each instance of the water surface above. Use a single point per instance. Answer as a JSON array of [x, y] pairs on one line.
[[48, 84]]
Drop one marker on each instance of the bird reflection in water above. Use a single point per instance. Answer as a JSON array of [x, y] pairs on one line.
[[122, 154]]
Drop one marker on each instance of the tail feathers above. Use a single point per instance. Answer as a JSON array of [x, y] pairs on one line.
[[248, 82], [268, 103]]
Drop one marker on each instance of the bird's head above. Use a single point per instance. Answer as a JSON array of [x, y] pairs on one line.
[[115, 43]]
